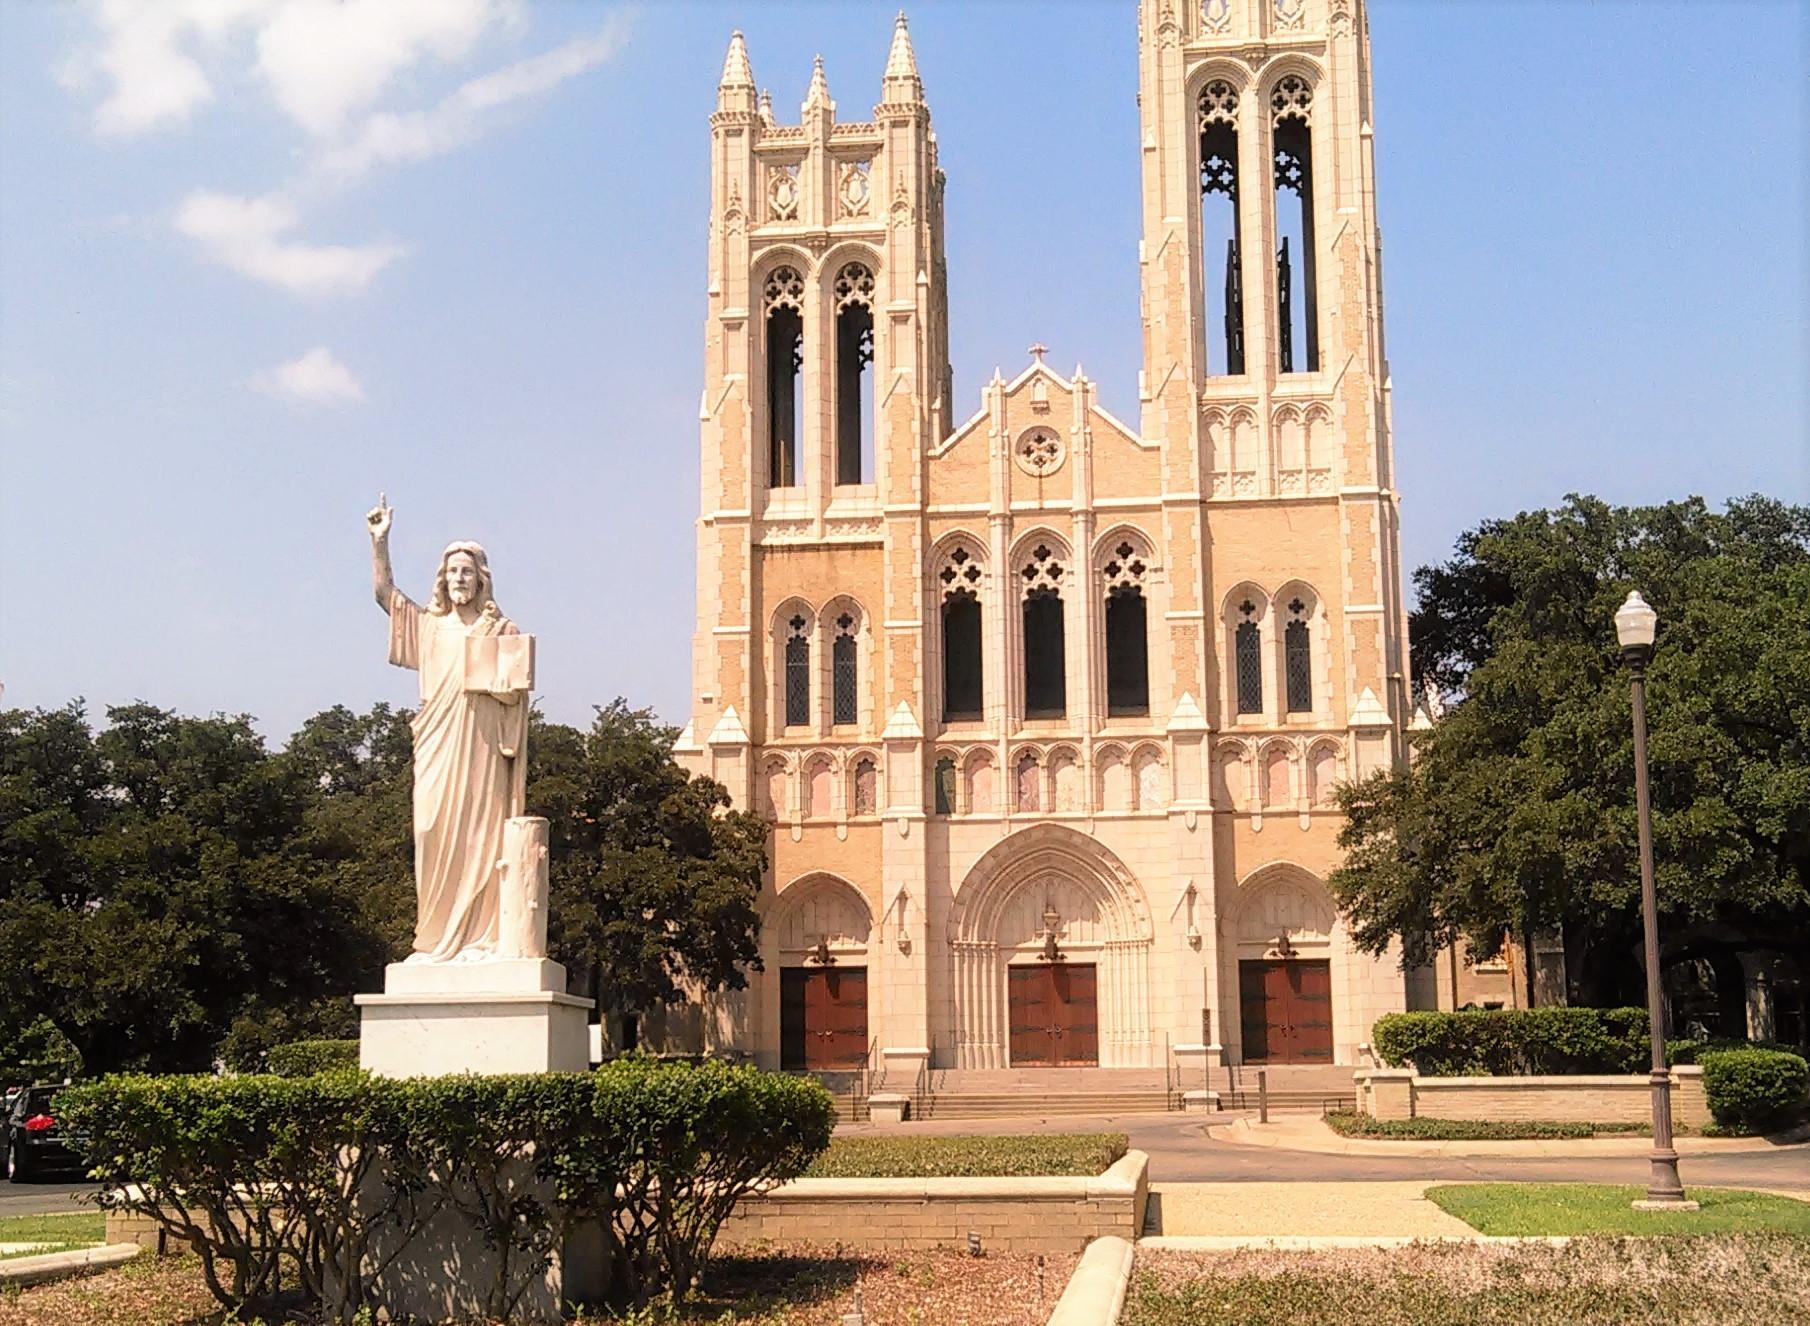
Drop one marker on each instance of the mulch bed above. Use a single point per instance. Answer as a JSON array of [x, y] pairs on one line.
[[788, 1286], [1735, 1280]]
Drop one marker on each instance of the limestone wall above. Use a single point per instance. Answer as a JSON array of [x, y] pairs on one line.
[[1009, 1215], [1401, 1094]]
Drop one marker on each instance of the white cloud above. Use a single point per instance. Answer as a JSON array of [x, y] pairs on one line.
[[247, 234], [144, 54], [316, 378], [328, 59], [323, 61], [389, 137]]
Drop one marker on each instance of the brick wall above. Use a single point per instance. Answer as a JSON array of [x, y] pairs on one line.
[[1010, 1215]]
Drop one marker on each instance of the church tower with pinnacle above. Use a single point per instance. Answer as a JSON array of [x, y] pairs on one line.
[[1046, 710]]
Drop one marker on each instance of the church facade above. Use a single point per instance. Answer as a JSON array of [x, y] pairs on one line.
[[1047, 707]]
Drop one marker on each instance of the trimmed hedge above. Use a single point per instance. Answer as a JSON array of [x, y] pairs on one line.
[[1515, 1042], [258, 1172], [969, 1157], [1692, 1051], [1752, 1088], [1469, 1130], [303, 1058]]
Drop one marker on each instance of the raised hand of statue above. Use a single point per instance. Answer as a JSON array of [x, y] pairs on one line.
[[377, 519]]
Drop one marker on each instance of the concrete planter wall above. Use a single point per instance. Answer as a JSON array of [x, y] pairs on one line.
[[1401, 1093], [1010, 1215]]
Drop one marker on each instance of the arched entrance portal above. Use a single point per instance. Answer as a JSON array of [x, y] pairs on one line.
[[1051, 942], [824, 925], [1283, 949]]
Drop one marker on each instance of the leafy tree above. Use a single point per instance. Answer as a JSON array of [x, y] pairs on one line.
[[654, 879], [1518, 813], [163, 881]]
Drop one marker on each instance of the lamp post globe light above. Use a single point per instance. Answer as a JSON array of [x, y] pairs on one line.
[[1635, 626]]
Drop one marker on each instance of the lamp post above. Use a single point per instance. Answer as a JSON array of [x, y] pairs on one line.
[[1635, 622]]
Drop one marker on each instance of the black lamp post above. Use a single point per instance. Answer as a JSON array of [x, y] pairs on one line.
[[1635, 623]]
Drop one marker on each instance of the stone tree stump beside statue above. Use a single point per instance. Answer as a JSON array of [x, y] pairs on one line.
[[479, 993]]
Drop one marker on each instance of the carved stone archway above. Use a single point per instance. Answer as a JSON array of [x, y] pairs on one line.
[[1001, 918]]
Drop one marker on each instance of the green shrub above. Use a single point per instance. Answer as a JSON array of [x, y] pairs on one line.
[[1469, 1130], [305, 1058], [1514, 1042], [969, 1157], [258, 1172], [1692, 1051], [1752, 1088]]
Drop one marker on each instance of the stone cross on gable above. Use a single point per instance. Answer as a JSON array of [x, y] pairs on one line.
[[1039, 350]]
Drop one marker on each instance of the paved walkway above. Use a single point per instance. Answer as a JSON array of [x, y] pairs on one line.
[[1306, 1133], [1266, 1210]]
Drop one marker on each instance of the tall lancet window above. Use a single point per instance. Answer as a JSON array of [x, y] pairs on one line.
[[783, 296], [1127, 634], [1297, 320], [854, 296], [1045, 664], [844, 677], [1217, 115], [798, 672], [960, 578], [1297, 659], [1248, 659]]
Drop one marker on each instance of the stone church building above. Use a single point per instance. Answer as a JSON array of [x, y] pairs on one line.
[[1047, 706]]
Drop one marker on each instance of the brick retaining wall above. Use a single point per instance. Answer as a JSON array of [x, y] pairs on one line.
[[1397, 1093], [1010, 1215]]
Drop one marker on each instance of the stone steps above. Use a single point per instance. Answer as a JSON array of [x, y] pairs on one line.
[[998, 1105]]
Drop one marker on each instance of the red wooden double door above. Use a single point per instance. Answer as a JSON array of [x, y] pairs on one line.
[[1055, 1018], [1286, 1009], [822, 1017]]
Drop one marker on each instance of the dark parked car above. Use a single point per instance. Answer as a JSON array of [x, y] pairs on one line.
[[34, 1143]]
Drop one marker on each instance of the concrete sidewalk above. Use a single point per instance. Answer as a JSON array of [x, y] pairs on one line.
[[1276, 1210], [1304, 1133]]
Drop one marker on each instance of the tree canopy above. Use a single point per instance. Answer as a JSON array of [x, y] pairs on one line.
[[1518, 812], [172, 890]]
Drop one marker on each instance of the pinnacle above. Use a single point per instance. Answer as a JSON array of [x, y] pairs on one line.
[[900, 60], [736, 70], [819, 92]]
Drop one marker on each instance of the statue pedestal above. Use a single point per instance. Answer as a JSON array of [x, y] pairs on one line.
[[507, 1015]]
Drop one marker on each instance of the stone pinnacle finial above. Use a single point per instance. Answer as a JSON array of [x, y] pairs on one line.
[[766, 106], [737, 72], [819, 92], [900, 61]]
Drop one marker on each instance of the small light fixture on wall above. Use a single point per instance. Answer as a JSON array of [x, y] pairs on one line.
[[821, 954]]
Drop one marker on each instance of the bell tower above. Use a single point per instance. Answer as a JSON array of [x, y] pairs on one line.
[[1264, 369]]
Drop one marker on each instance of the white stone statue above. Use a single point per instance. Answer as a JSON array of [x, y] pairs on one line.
[[480, 865], [1435, 702]]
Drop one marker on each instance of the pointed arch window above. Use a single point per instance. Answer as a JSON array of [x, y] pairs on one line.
[[798, 671], [1248, 651], [961, 579], [854, 301], [1297, 659], [945, 785], [867, 786], [844, 674], [1127, 634], [783, 300], [1216, 113], [1297, 326], [1045, 664]]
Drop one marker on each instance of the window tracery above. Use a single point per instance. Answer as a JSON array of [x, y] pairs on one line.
[[782, 191], [1291, 103], [1045, 665], [1216, 15], [1127, 632], [782, 296], [1297, 650], [854, 189], [1248, 650], [961, 579], [852, 293], [798, 670], [1217, 127], [1039, 451]]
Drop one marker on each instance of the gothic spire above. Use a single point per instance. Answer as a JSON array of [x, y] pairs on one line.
[[737, 72], [818, 95], [900, 61]]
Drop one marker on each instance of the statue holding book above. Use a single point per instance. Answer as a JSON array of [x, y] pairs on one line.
[[480, 862]]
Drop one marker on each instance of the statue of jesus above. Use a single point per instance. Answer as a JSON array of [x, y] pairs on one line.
[[470, 741]]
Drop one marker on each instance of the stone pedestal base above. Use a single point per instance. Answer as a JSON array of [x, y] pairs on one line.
[[888, 1107], [1200, 1102], [1685, 1205], [510, 1015]]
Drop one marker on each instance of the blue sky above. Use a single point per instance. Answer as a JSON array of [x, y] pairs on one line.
[[461, 259]]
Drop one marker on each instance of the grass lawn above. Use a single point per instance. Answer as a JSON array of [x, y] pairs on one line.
[[792, 1286], [968, 1157], [1600, 1208], [62, 1232], [1474, 1130], [1737, 1280]]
